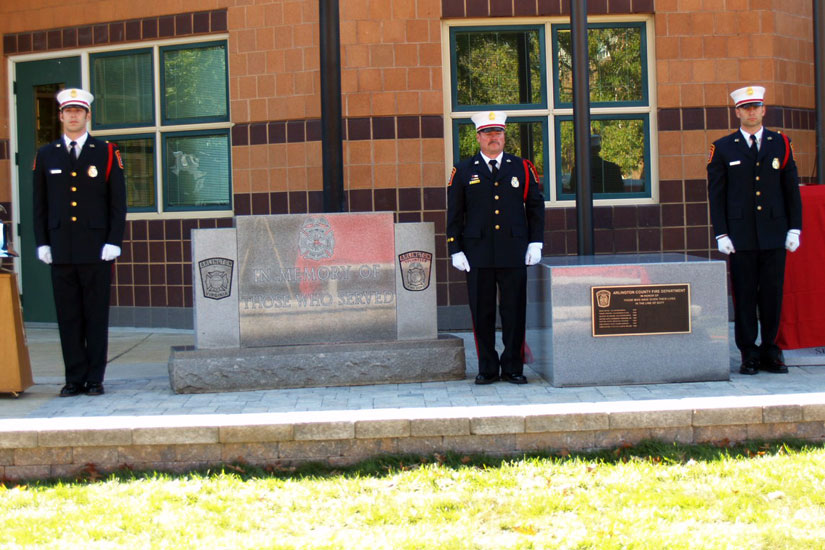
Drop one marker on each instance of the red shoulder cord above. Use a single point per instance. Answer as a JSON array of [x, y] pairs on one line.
[[787, 151], [527, 166], [109, 163]]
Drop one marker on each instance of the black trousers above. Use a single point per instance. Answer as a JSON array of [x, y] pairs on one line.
[[757, 277], [81, 298], [484, 285]]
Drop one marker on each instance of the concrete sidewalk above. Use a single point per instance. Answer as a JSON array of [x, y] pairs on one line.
[[137, 384], [141, 424]]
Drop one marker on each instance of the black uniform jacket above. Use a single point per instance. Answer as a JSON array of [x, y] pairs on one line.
[[492, 221], [754, 199], [78, 210]]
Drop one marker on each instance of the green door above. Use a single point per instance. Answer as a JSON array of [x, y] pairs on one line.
[[37, 82]]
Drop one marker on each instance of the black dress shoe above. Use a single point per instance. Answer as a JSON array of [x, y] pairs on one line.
[[750, 366], [776, 366], [482, 379], [514, 378], [94, 388], [71, 389]]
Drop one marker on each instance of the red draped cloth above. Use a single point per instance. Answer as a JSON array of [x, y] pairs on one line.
[[803, 305]]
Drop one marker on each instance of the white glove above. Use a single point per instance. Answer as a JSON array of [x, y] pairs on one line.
[[792, 240], [725, 245], [533, 254], [109, 252], [44, 254], [460, 262]]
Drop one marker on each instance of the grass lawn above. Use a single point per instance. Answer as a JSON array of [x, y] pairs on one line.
[[653, 496]]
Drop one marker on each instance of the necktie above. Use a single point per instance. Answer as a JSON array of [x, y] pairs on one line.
[[494, 168], [73, 149], [753, 143]]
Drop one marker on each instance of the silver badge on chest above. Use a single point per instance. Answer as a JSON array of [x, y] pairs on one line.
[[775, 163], [92, 171], [514, 182]]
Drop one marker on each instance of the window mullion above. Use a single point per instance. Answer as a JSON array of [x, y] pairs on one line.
[[159, 180]]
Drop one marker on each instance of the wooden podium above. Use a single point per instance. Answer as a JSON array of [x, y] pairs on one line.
[[15, 367]]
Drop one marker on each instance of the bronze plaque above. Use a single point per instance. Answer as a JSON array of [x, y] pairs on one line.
[[634, 310], [316, 278]]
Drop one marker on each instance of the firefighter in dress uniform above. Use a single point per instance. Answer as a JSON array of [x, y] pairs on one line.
[[79, 218], [495, 227], [756, 211]]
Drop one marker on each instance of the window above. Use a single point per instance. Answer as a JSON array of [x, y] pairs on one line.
[[167, 108], [506, 68], [123, 89], [194, 83], [140, 171], [497, 67], [618, 148], [194, 162]]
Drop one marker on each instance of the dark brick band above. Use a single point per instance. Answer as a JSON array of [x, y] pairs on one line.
[[721, 118], [531, 8], [362, 128], [101, 34]]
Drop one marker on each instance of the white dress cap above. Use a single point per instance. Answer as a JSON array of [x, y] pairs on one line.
[[75, 96], [748, 94], [489, 119]]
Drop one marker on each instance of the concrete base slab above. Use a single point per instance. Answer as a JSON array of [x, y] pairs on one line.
[[348, 364]]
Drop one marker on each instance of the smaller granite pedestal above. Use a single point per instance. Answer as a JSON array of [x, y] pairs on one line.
[[662, 318]]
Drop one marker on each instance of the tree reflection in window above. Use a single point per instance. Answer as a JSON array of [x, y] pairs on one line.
[[616, 61], [498, 67], [618, 142], [194, 83]]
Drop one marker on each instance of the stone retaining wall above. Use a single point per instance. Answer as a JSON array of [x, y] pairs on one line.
[[61, 447]]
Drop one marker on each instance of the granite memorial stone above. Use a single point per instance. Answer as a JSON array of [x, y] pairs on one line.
[[314, 300], [316, 279]]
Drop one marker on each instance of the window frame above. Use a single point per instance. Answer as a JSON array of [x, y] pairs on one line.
[[96, 126], [604, 117], [515, 106], [552, 111], [164, 120], [607, 104]]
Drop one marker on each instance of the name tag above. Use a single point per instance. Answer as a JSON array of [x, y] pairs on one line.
[[55, 171], [735, 162]]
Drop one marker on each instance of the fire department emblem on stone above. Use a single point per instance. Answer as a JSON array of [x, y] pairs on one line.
[[216, 277], [416, 266], [316, 240], [603, 298]]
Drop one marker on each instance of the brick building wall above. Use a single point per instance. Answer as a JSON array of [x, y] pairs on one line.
[[393, 101]]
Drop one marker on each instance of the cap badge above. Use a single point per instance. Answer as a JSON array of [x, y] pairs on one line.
[[491, 116], [73, 93], [92, 171], [775, 163], [514, 182]]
